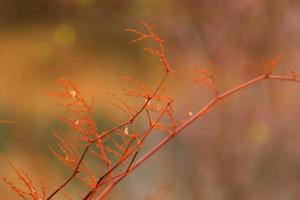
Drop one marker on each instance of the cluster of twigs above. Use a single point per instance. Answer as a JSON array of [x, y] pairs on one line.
[[116, 150]]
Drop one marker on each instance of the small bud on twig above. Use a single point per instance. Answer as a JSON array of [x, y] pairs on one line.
[[126, 130], [73, 93]]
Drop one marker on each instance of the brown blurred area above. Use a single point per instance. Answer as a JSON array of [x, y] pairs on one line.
[[246, 148]]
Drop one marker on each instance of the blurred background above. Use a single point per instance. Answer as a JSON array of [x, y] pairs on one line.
[[246, 148]]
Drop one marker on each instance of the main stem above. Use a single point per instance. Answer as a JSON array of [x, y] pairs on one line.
[[199, 114]]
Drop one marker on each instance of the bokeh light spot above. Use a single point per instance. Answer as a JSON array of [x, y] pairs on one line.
[[64, 35]]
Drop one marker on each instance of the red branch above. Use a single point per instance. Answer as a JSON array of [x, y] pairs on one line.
[[205, 109]]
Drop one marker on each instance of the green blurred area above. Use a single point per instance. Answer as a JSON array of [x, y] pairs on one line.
[[247, 148]]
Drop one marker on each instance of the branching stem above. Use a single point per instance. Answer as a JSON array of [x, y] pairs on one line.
[[205, 109]]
